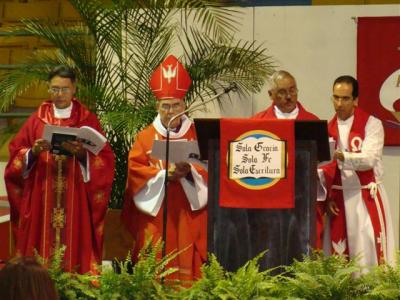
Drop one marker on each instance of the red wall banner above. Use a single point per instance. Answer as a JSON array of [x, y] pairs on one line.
[[378, 71], [257, 163]]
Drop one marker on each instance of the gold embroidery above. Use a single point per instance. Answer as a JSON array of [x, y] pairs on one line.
[[17, 192], [17, 164], [58, 218], [98, 163], [100, 229], [99, 196]]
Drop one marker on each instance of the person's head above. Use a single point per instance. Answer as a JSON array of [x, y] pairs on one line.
[[167, 108], [24, 278], [169, 83], [283, 91], [345, 96], [62, 86]]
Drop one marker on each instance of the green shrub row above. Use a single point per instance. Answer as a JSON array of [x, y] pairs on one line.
[[316, 277]]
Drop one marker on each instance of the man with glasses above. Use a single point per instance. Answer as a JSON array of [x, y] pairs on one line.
[[360, 223], [187, 190], [59, 199], [283, 93]]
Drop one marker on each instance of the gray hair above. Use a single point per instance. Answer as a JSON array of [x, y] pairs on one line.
[[278, 75]]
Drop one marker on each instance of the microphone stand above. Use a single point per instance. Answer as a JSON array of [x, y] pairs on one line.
[[231, 87]]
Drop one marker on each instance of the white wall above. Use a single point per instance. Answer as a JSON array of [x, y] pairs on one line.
[[316, 44]]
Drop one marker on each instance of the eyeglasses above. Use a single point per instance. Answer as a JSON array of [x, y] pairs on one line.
[[283, 93], [343, 99], [57, 90], [174, 107]]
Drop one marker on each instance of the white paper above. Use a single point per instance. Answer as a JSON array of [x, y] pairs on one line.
[[179, 150], [91, 139]]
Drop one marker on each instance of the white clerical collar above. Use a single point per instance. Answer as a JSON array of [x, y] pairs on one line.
[[185, 125], [348, 121], [62, 113], [281, 115]]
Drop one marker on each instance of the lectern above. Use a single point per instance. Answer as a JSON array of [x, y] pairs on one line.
[[236, 235]]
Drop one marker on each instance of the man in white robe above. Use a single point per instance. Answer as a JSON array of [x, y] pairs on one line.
[[360, 223]]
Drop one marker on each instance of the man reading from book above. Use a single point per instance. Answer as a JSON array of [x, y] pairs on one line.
[[186, 220], [59, 198]]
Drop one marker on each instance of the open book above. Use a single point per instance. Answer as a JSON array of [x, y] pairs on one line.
[[90, 138], [179, 150]]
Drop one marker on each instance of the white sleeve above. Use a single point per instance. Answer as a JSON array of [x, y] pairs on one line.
[[321, 188], [151, 196], [371, 149], [26, 171], [85, 169], [196, 191]]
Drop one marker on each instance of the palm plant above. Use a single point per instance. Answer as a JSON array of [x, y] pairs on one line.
[[117, 46]]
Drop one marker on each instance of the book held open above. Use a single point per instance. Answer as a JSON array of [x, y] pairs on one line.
[[90, 138]]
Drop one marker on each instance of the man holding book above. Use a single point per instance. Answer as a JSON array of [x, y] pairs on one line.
[[59, 197], [186, 219]]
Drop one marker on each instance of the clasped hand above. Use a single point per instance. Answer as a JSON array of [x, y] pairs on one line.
[[73, 147], [178, 170]]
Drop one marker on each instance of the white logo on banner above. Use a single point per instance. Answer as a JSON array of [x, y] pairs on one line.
[[257, 158]]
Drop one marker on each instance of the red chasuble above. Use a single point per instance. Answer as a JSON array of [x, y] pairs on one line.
[[186, 229], [51, 205]]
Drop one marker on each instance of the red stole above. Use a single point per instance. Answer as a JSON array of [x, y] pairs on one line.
[[338, 223]]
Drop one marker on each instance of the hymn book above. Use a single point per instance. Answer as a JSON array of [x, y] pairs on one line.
[[90, 138]]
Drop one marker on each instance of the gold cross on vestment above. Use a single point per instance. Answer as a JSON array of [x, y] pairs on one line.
[[58, 219]]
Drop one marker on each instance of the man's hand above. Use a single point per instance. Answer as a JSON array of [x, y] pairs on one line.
[[40, 145], [179, 170], [75, 148], [338, 155], [332, 208]]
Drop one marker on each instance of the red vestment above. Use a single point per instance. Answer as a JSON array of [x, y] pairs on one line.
[[51, 205], [186, 227], [269, 114]]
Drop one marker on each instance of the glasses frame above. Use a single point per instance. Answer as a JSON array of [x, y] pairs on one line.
[[57, 90], [283, 93]]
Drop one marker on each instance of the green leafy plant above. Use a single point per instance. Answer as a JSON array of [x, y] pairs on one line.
[[70, 285], [248, 282], [115, 49], [316, 277], [321, 277], [382, 282], [145, 281]]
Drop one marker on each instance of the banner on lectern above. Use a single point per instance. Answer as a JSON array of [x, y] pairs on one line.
[[257, 163]]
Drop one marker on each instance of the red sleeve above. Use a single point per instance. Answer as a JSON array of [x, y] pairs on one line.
[[100, 184], [14, 181]]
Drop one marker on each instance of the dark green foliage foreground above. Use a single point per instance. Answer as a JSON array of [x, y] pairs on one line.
[[317, 277]]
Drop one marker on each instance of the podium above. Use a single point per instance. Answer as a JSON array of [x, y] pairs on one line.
[[236, 235]]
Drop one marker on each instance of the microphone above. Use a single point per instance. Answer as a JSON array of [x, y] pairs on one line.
[[232, 87]]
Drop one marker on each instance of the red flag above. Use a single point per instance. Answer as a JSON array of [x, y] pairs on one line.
[[257, 163], [378, 72]]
